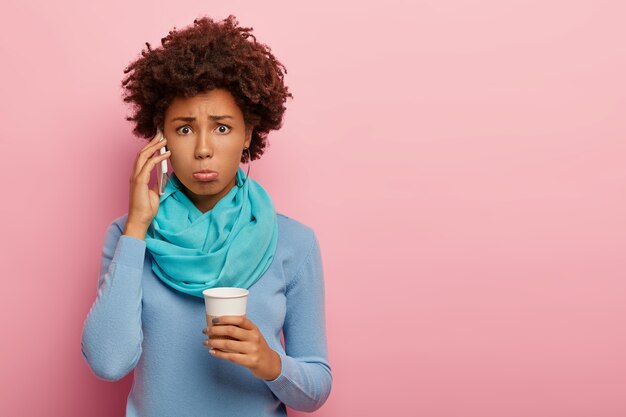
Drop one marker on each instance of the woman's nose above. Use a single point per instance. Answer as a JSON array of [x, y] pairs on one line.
[[204, 147]]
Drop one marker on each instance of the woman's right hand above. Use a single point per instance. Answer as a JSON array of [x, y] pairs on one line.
[[144, 202]]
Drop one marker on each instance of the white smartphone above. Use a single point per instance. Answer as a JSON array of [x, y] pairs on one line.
[[162, 174]]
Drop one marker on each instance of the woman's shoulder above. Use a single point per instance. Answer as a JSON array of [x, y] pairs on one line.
[[297, 247], [294, 234], [292, 227]]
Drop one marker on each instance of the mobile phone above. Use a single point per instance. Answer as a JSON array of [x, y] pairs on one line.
[[162, 174]]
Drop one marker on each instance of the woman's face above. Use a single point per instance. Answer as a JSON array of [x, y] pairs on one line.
[[206, 131]]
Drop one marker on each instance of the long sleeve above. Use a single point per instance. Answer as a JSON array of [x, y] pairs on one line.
[[305, 380], [112, 335]]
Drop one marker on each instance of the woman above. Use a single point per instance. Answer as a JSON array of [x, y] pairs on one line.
[[215, 95]]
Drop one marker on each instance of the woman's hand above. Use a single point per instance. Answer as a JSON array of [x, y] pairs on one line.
[[144, 202], [247, 345]]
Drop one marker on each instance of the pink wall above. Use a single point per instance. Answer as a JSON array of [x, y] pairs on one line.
[[461, 162]]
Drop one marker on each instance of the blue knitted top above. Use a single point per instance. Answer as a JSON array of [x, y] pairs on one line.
[[138, 322]]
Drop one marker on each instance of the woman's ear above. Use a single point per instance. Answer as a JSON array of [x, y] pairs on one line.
[[248, 141]]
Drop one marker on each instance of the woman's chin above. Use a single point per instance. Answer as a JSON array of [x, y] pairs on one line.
[[204, 187]]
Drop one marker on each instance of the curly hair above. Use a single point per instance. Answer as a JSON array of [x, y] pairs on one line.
[[202, 57]]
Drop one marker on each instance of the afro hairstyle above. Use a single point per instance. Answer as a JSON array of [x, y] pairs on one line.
[[202, 57]]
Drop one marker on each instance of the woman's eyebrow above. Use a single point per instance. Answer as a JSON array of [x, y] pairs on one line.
[[193, 119]]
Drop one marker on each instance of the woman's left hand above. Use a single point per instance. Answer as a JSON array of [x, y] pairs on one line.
[[247, 345]]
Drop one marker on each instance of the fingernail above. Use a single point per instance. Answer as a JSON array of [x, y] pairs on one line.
[[216, 320], [212, 352]]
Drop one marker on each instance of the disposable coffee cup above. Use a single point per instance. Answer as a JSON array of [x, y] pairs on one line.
[[224, 301]]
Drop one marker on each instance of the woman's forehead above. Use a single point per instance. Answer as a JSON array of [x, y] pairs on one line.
[[218, 102]]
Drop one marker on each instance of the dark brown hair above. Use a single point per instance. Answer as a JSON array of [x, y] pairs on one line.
[[202, 57]]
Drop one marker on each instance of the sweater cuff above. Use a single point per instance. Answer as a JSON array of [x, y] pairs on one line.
[[130, 251], [282, 381]]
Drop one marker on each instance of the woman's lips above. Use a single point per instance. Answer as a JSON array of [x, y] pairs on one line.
[[205, 176]]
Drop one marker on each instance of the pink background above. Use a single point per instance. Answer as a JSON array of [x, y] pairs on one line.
[[461, 162]]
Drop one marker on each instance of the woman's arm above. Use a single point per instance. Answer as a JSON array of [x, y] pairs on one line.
[[305, 380], [112, 335]]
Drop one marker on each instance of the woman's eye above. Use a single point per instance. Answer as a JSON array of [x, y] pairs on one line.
[[221, 129], [180, 129]]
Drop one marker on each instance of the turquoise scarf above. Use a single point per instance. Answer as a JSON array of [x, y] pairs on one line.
[[231, 245]]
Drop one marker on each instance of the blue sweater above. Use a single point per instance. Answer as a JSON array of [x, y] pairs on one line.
[[138, 322]]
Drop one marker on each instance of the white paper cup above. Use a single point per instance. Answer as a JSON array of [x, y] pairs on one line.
[[224, 301]]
